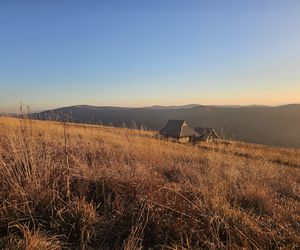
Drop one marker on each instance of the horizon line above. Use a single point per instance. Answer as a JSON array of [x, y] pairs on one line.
[[192, 105]]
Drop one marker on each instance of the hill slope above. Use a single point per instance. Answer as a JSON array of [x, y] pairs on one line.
[[94, 187], [278, 126]]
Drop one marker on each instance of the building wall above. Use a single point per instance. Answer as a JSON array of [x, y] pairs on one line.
[[184, 139]]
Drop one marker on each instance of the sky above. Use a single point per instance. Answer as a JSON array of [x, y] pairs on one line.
[[139, 53]]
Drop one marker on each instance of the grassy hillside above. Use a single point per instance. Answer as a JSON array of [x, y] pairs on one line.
[[92, 187]]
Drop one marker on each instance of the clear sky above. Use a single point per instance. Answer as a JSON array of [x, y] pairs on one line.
[[138, 53]]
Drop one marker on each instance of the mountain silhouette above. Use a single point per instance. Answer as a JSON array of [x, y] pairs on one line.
[[278, 126]]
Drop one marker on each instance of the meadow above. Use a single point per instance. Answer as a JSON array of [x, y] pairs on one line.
[[70, 186]]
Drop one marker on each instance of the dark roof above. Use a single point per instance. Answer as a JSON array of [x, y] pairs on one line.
[[177, 128], [206, 132]]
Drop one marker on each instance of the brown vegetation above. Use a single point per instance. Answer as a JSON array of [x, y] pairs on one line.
[[92, 187]]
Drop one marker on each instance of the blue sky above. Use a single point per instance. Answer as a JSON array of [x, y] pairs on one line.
[[139, 53]]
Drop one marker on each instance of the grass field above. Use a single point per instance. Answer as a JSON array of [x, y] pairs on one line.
[[67, 186]]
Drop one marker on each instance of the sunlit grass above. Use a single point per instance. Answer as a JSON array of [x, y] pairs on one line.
[[67, 185]]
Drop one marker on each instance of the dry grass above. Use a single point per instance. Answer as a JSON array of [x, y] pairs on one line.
[[283, 156], [92, 187]]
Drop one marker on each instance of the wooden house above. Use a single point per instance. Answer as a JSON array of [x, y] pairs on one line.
[[178, 130], [205, 134]]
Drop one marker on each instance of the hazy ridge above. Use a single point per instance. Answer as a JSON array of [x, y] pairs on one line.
[[278, 126]]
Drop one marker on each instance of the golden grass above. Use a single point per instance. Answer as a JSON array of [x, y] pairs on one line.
[[93, 187]]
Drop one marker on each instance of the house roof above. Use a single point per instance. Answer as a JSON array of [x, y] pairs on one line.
[[206, 132], [177, 128]]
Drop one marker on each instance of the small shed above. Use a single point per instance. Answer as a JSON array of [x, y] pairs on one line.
[[206, 134], [179, 130]]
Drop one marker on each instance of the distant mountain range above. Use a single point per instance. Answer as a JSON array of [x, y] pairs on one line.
[[174, 107], [278, 126]]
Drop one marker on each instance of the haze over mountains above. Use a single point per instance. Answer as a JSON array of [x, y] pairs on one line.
[[278, 126]]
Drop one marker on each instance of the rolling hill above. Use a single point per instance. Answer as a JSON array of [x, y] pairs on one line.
[[278, 126], [76, 186]]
